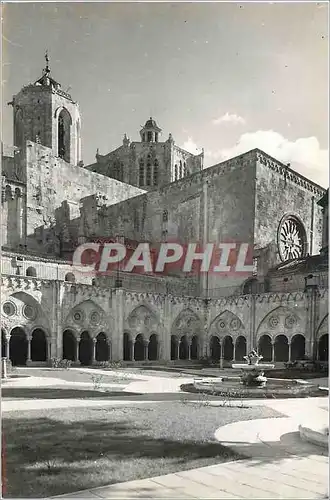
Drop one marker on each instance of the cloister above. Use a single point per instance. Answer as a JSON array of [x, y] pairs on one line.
[[22, 348]]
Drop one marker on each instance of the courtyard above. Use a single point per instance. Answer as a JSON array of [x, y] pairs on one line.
[[72, 430]]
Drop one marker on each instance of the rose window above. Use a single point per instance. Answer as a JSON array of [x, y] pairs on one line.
[[95, 318], [291, 239], [29, 312], [9, 308], [78, 316]]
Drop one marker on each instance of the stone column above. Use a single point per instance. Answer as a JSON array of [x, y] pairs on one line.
[[178, 350], [234, 351], [118, 298], [160, 350], [77, 348], [28, 349], [273, 351], [7, 347], [289, 344], [145, 350], [189, 350], [94, 351]]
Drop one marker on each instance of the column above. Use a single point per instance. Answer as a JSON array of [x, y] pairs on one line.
[[189, 350], [28, 349], [94, 351], [234, 351], [145, 350], [77, 349], [289, 344], [160, 351], [177, 349], [273, 351], [221, 356], [7, 347]]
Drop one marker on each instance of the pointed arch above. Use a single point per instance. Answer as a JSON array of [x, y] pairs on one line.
[[225, 324], [64, 122]]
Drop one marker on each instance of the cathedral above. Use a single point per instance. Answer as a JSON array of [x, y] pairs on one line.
[[151, 190]]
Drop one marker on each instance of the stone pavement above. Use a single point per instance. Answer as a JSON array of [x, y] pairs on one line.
[[281, 467]]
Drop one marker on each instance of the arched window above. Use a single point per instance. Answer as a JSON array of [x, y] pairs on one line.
[[141, 173], [70, 277], [31, 271], [149, 136], [19, 129], [148, 176], [184, 169], [156, 173], [165, 216], [64, 139], [175, 172], [180, 170]]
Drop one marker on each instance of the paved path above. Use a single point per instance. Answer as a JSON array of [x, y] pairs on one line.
[[281, 467]]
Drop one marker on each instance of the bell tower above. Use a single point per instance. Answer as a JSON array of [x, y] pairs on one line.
[[150, 132], [44, 113]]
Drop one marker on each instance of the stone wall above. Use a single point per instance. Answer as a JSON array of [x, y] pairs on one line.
[[53, 184], [281, 191]]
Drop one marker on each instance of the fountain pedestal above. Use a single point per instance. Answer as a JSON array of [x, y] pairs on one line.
[[252, 374]]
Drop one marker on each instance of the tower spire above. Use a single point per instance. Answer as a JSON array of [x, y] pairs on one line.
[[47, 69]]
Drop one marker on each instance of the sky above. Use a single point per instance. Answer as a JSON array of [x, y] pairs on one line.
[[226, 77]]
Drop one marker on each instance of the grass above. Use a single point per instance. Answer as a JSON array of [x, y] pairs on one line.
[[55, 452]]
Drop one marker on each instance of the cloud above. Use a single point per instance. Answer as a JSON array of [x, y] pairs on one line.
[[191, 147], [304, 154], [229, 118]]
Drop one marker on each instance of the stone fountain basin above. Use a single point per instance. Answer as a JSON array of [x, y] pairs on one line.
[[261, 367]]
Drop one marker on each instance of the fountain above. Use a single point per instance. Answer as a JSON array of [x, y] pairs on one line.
[[252, 383], [252, 372]]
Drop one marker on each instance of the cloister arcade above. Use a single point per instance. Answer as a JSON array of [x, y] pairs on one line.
[[22, 348]]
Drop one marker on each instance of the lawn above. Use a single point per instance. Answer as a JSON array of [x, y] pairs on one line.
[[55, 452]]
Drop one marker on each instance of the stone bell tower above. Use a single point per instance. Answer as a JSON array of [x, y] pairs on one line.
[[44, 113]]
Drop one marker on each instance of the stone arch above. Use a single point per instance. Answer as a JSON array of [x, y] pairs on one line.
[[69, 345], [31, 271], [228, 348], [18, 346], [323, 348], [64, 122], [139, 348], [187, 324], [250, 286], [38, 345], [280, 319], [102, 347], [297, 347], [174, 347], [281, 348], [194, 347], [18, 128], [323, 327], [265, 348], [153, 347], [183, 348], [142, 320], [226, 324], [85, 349], [127, 347], [240, 348], [89, 316], [215, 348]]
